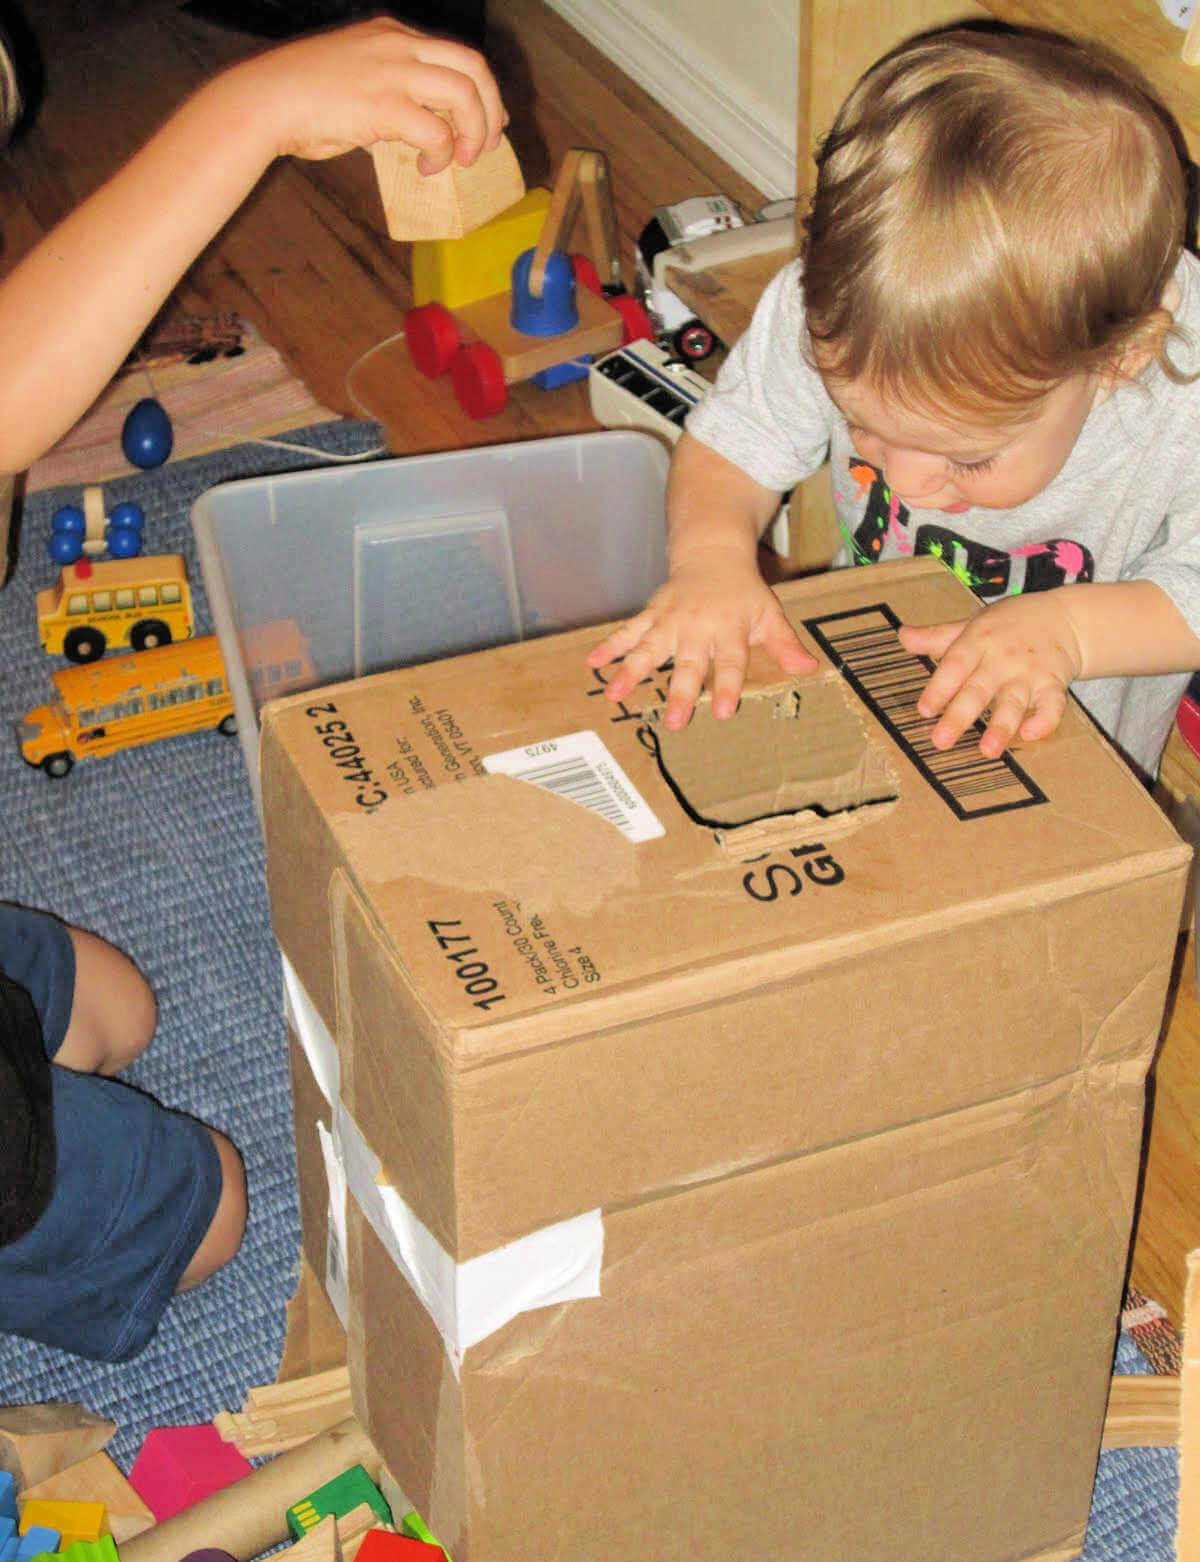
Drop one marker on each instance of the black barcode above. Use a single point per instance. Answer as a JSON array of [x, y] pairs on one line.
[[864, 645], [572, 777]]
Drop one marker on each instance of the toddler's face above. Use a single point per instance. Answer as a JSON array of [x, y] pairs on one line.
[[931, 464]]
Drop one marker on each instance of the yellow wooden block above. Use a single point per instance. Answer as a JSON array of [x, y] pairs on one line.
[[73, 1520], [455, 272]]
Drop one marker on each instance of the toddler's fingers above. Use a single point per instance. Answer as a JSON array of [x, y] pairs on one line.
[[637, 667], [783, 644], [930, 639], [1009, 710], [961, 712], [623, 638], [1048, 711], [687, 679], [728, 676]]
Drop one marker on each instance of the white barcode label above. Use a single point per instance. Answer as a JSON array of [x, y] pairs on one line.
[[580, 768]]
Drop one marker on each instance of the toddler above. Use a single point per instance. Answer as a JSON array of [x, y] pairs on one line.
[[109, 1202], [991, 330]]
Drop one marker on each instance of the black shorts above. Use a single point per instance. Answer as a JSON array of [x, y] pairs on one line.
[[136, 1186]]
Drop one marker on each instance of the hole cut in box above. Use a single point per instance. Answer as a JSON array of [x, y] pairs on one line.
[[793, 761]]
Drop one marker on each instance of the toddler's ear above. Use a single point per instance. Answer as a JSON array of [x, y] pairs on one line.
[[1147, 343]]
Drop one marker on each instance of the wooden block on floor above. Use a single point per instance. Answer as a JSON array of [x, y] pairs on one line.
[[97, 1479], [37, 1441]]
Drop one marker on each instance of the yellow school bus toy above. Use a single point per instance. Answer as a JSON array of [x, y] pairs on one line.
[[97, 604], [125, 700]]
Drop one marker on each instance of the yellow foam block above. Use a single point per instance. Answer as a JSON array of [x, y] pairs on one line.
[[73, 1520]]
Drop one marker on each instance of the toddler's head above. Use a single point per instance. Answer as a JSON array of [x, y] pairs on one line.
[[996, 213]]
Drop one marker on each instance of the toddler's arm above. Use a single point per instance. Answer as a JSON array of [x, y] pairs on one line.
[[1018, 657], [76, 304], [714, 604]]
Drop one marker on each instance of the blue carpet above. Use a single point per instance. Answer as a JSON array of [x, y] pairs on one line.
[[159, 850]]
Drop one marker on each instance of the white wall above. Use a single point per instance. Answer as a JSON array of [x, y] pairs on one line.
[[726, 68]]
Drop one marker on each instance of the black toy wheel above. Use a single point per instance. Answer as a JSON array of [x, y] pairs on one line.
[[57, 765], [228, 725], [148, 634], [84, 645]]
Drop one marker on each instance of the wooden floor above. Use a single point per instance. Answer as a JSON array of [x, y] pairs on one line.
[[307, 261]]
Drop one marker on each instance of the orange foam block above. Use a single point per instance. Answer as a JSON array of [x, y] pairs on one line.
[[178, 1465]]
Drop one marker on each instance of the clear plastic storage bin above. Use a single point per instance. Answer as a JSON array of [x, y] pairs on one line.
[[318, 576]]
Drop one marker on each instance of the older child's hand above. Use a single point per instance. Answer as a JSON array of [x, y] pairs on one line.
[[371, 81], [1015, 660], [711, 610]]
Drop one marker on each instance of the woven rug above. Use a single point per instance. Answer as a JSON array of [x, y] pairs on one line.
[[159, 849]]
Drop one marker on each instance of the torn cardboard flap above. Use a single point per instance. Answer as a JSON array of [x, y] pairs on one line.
[[799, 749]]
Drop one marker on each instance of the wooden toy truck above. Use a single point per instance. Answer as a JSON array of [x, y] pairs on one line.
[[485, 352]]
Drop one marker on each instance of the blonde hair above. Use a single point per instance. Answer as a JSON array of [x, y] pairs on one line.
[[994, 212]]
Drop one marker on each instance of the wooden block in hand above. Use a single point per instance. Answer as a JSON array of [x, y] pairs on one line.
[[449, 204]]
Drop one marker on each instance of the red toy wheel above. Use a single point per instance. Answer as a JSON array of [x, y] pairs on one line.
[[432, 338], [694, 341], [478, 379], [637, 322]]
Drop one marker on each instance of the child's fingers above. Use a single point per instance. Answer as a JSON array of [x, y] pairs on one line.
[[969, 702], [623, 638], [1049, 709], [1009, 709], [728, 676], [930, 639], [687, 680], [784, 646], [457, 80]]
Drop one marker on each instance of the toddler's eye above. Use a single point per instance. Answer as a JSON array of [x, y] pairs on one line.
[[972, 468]]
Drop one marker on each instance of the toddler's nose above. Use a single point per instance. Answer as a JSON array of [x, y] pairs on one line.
[[912, 474]]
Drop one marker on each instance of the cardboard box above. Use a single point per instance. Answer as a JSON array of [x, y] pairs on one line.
[[748, 1166]]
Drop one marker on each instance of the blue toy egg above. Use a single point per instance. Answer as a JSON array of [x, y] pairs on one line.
[[146, 436], [68, 518], [127, 514], [124, 542], [66, 547]]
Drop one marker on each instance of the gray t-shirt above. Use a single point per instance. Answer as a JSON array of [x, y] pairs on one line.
[[1126, 505]]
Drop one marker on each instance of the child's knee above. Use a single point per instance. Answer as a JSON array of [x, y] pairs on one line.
[[114, 1012], [223, 1238]]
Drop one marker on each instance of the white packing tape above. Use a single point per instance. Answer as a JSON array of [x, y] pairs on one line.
[[467, 1301]]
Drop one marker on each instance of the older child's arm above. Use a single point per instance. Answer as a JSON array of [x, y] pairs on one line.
[[76, 304], [714, 604], [1018, 657]]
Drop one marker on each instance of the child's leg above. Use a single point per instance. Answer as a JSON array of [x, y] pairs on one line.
[[228, 1226], [114, 1012], [96, 1007], [146, 1201]]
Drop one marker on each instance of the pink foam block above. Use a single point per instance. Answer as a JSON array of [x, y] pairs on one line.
[[177, 1465]]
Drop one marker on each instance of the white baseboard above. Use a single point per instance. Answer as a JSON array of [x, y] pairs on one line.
[[758, 142]]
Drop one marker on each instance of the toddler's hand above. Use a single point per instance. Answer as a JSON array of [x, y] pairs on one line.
[[1016, 660], [711, 610], [371, 81]]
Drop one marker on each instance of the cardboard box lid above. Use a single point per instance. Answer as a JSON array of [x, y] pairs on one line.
[[521, 918]]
